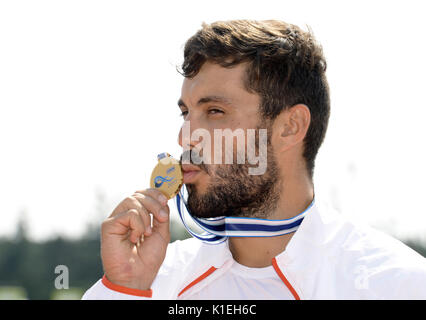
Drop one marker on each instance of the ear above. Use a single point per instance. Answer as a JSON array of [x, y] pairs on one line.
[[291, 126]]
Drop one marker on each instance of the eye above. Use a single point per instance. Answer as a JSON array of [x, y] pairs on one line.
[[214, 111], [183, 113]]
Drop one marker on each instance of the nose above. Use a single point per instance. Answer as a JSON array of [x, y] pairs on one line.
[[185, 137]]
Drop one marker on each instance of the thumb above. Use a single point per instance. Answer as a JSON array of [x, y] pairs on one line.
[[161, 222]]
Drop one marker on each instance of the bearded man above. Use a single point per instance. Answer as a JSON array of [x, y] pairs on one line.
[[253, 75]]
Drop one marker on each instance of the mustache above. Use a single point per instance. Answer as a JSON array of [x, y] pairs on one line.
[[194, 159]]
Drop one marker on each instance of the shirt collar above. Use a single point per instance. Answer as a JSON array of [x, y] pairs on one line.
[[309, 234], [316, 230]]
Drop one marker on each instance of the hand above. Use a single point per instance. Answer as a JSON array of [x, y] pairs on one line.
[[132, 250]]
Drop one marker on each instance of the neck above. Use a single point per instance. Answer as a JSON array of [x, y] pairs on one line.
[[297, 194]]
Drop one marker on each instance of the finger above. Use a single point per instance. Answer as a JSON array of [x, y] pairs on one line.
[[132, 203], [163, 228], [136, 226], [153, 206], [127, 204], [127, 222], [146, 218], [156, 194]]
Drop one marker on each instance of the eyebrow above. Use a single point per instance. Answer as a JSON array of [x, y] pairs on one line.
[[207, 99]]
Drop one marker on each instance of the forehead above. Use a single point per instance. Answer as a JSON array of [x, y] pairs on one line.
[[212, 79]]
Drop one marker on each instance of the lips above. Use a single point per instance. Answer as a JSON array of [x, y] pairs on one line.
[[190, 173]]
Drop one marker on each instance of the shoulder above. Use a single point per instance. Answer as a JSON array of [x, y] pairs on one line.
[[381, 265]]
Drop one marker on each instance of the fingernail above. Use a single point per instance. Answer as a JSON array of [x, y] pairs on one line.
[[163, 213]]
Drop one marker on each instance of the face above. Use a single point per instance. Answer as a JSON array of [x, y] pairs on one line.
[[215, 100]]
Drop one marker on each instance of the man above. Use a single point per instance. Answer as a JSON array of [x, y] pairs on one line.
[[253, 75]]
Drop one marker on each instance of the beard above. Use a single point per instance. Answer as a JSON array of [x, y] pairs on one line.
[[234, 192]]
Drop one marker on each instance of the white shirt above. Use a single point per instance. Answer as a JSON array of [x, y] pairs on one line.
[[328, 257], [243, 283]]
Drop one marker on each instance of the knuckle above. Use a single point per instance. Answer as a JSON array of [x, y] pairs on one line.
[[154, 191], [140, 192], [139, 197], [105, 224], [149, 203], [130, 200], [133, 212], [157, 193]]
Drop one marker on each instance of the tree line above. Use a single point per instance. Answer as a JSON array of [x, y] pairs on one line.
[[31, 265]]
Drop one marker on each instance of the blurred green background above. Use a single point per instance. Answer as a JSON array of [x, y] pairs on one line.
[[27, 268]]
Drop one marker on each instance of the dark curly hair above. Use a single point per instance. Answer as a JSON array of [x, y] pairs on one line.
[[286, 67]]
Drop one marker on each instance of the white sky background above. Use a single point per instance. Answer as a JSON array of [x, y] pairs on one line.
[[88, 93]]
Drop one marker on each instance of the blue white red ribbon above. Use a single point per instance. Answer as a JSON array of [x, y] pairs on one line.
[[217, 230]]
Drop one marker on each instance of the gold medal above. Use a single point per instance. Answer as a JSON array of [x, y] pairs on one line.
[[167, 175]]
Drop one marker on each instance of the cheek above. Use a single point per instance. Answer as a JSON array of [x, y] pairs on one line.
[[225, 143], [228, 146], [203, 184]]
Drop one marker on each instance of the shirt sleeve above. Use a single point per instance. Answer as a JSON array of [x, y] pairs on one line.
[[106, 290], [412, 285]]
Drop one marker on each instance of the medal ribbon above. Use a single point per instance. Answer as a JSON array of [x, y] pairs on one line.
[[217, 230]]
